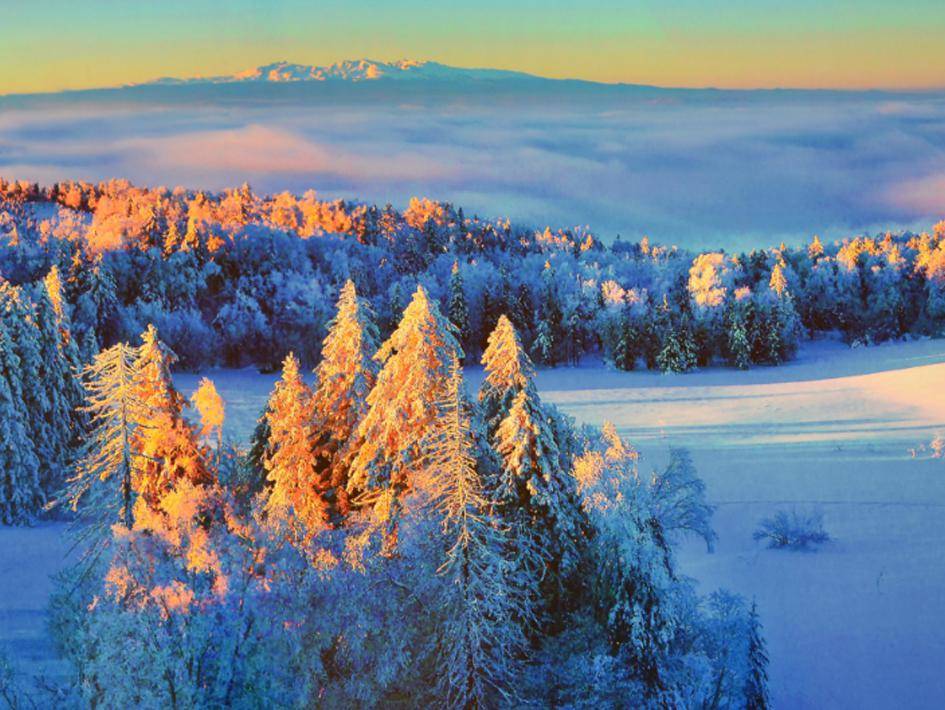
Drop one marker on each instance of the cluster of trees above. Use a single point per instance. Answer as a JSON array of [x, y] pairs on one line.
[[41, 422], [236, 278], [386, 540]]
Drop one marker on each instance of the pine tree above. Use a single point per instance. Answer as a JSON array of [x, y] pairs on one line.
[[103, 480], [21, 495], [166, 442], [508, 371], [626, 347], [296, 495], [58, 372], [389, 441], [479, 637], [535, 490], [345, 377], [209, 404], [756, 682], [457, 311], [738, 340], [678, 353]]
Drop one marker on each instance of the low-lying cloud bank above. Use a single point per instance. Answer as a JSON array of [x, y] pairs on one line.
[[712, 172]]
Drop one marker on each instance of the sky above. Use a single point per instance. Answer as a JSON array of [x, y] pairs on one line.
[[50, 45]]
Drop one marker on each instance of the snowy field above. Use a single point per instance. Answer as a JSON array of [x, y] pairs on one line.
[[858, 624]]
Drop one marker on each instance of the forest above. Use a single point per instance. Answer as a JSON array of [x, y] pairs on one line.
[[386, 538], [234, 279]]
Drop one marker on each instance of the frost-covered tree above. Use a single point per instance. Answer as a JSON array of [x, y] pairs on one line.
[[756, 681], [296, 496], [390, 441], [508, 371], [21, 495], [457, 310], [677, 497], [536, 493], [344, 379], [627, 347], [101, 488], [166, 442], [633, 581], [479, 636]]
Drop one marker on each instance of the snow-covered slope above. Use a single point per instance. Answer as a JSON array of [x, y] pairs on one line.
[[351, 70]]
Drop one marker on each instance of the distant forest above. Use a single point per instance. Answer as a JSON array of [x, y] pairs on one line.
[[235, 278]]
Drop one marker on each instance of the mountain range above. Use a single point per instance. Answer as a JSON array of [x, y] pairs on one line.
[[351, 70]]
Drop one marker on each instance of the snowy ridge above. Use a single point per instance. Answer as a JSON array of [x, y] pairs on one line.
[[349, 70]]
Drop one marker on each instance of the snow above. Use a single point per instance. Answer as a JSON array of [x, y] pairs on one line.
[[858, 623]]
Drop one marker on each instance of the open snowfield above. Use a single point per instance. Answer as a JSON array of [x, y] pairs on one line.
[[858, 624]]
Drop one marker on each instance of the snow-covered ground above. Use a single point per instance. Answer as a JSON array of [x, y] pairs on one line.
[[858, 624]]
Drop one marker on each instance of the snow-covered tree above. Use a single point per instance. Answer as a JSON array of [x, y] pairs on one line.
[[482, 605], [209, 404], [21, 495], [296, 497], [633, 580], [166, 442], [344, 379], [390, 441], [508, 371], [677, 498], [101, 488], [756, 682], [457, 310]]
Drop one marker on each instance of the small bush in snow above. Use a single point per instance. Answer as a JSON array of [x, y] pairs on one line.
[[794, 530]]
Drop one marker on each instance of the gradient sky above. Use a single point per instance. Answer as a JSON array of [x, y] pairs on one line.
[[48, 45]]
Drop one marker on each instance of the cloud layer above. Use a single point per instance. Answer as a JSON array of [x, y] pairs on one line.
[[713, 172]]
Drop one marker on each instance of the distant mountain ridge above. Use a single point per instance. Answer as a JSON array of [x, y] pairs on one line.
[[350, 70]]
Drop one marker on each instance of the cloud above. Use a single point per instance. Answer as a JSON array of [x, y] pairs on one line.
[[704, 172]]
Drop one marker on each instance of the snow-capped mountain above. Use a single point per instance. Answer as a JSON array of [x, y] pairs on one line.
[[351, 70]]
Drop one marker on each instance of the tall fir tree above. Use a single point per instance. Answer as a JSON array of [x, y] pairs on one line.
[[457, 311], [165, 441], [478, 639], [344, 379], [535, 490], [627, 346], [296, 494], [390, 441], [508, 371], [756, 681], [21, 495]]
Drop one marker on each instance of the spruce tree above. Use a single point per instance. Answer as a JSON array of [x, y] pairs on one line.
[[457, 311], [738, 342], [756, 682], [478, 638], [535, 490], [166, 442], [626, 347], [21, 495], [344, 379], [508, 371], [58, 371], [390, 441], [296, 494]]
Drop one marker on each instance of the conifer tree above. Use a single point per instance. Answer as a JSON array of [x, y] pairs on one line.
[[166, 442], [457, 311], [389, 442], [21, 495], [508, 371], [678, 352], [478, 637], [535, 490], [103, 480], [63, 395], [296, 493], [756, 682], [738, 340], [345, 377], [626, 347]]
